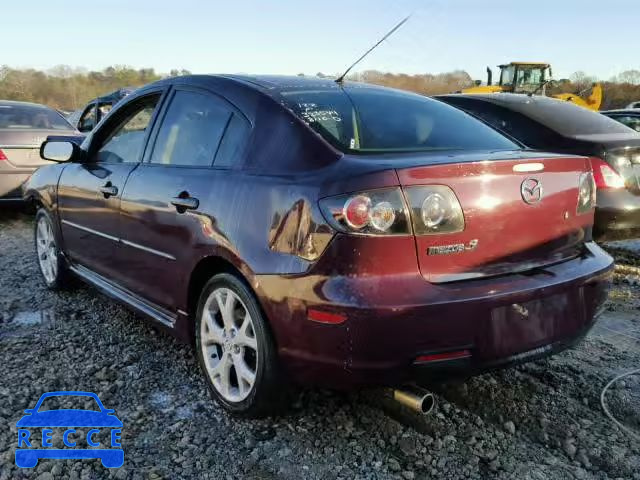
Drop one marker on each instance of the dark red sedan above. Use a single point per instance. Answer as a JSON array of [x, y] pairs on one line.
[[326, 233]]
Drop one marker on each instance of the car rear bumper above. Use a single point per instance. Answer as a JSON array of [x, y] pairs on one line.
[[392, 320], [11, 183], [617, 215]]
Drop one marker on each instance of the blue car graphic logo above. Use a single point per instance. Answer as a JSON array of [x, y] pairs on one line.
[[34, 443]]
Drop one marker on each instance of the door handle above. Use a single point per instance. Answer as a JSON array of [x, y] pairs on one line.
[[184, 202], [108, 190]]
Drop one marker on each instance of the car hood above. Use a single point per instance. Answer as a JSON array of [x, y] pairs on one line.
[[69, 418]]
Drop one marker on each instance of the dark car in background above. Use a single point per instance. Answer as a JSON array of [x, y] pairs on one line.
[[86, 118], [552, 125], [331, 234], [629, 117], [23, 128]]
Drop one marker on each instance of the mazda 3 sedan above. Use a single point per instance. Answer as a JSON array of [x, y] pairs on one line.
[[557, 126], [335, 234]]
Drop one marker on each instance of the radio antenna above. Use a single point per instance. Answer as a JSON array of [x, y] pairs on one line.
[[340, 79]]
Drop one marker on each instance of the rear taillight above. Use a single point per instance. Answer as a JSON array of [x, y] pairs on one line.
[[3, 156], [586, 193], [375, 212], [433, 209], [605, 176]]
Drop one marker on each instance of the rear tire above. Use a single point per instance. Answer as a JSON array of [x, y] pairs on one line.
[[236, 350], [52, 265]]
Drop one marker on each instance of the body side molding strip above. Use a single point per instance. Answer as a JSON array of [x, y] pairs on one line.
[[124, 296], [119, 240]]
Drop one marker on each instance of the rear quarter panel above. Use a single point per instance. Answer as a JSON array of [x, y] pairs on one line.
[[41, 189]]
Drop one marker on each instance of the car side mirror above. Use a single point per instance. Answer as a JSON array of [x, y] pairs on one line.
[[109, 411], [29, 410], [58, 150], [477, 83]]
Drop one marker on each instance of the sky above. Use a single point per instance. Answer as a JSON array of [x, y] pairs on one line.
[[290, 37]]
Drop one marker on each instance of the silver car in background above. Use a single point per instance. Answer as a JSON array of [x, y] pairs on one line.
[[23, 128]]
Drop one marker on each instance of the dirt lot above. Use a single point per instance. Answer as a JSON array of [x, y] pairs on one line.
[[539, 421]]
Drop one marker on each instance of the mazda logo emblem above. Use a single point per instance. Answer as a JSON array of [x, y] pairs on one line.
[[531, 190]]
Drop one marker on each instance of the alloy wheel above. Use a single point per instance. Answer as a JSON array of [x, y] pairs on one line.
[[46, 250], [229, 345]]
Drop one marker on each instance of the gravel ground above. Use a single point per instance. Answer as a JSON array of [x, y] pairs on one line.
[[539, 421]]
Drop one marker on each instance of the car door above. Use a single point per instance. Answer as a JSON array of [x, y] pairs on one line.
[[89, 193], [164, 224]]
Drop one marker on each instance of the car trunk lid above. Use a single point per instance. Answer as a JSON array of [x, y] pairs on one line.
[[22, 148], [504, 232]]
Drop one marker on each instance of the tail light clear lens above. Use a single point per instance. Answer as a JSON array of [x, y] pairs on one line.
[[605, 176], [375, 212], [435, 209], [586, 193], [2, 156]]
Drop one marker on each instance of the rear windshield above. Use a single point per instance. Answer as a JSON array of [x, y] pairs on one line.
[[367, 120], [26, 117], [568, 119]]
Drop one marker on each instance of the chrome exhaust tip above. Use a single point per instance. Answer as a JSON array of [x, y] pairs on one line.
[[416, 399]]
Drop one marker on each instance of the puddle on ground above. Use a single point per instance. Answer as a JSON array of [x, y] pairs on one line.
[[31, 318], [26, 320]]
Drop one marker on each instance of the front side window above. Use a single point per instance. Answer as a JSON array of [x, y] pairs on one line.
[[507, 74], [370, 120], [125, 139], [103, 109], [191, 130], [88, 119]]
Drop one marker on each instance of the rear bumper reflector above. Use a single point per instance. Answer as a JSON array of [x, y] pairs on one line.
[[438, 357], [325, 317]]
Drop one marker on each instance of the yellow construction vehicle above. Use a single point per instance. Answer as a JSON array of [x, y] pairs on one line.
[[532, 78]]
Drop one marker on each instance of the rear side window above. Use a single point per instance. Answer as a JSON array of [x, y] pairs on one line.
[[567, 118], [31, 117], [368, 120], [234, 141], [191, 130], [528, 132], [629, 120]]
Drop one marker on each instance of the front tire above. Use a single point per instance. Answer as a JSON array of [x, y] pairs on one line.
[[235, 349], [50, 261]]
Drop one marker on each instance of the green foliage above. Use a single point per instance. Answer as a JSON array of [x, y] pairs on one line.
[[67, 88]]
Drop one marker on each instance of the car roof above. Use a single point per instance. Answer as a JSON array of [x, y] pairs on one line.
[[505, 99], [565, 118], [288, 83]]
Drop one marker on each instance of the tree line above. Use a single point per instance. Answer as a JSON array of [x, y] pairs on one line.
[[69, 88]]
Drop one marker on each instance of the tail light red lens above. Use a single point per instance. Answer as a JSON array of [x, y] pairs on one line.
[[357, 211], [605, 176], [321, 316], [3, 156], [438, 357]]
